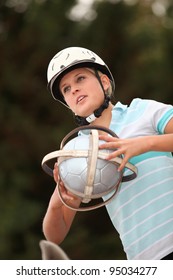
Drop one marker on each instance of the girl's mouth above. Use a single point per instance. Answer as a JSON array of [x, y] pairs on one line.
[[80, 98]]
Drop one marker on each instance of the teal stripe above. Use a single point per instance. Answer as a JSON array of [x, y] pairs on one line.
[[139, 185], [148, 155], [149, 173], [144, 215], [157, 233], [164, 120]]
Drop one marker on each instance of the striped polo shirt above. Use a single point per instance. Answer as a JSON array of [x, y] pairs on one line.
[[142, 210]]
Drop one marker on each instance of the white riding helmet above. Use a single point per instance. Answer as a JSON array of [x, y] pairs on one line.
[[69, 59]]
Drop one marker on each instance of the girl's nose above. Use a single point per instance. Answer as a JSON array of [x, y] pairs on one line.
[[74, 90]]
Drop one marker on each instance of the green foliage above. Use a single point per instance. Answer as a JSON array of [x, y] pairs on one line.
[[138, 47]]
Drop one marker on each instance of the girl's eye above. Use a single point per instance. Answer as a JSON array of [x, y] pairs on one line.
[[80, 78], [65, 89]]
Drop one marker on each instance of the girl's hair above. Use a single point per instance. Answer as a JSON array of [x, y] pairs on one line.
[[109, 91]]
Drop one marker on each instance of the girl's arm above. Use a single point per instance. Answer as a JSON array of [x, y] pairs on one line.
[[135, 146], [58, 218]]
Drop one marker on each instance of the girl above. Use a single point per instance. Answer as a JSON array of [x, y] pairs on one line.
[[142, 210]]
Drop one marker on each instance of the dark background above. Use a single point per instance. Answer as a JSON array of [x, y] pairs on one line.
[[135, 38]]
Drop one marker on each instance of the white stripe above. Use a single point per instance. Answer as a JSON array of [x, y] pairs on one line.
[[137, 179], [139, 194], [165, 252], [148, 233], [146, 253], [150, 202], [150, 217]]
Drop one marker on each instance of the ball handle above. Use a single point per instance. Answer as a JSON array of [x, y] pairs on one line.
[[63, 153], [86, 208], [118, 160]]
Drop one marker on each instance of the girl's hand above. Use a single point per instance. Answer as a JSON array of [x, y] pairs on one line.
[[127, 147], [68, 196]]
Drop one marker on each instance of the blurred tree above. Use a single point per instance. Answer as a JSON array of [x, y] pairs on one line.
[[28, 115], [134, 38]]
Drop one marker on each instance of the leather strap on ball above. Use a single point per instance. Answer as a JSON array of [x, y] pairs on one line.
[[93, 153]]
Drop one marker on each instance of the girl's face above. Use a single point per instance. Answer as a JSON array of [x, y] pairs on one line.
[[82, 91]]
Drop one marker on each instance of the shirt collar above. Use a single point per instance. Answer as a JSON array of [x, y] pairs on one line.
[[120, 106]]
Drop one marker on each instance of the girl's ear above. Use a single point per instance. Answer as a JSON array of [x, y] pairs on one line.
[[105, 81]]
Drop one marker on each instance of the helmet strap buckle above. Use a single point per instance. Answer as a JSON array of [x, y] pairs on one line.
[[97, 113]]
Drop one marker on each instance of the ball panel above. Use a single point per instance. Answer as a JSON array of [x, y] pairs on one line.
[[109, 174], [77, 185], [73, 172], [77, 143]]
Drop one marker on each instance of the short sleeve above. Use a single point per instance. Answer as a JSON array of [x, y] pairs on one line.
[[161, 113]]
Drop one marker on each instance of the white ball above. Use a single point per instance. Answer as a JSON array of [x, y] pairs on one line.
[[73, 171]]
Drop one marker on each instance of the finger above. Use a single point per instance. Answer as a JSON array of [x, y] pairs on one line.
[[125, 160], [122, 165], [119, 153], [65, 194], [109, 145], [107, 138], [56, 173], [114, 154], [112, 143]]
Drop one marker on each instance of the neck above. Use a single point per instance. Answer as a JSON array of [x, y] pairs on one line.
[[105, 118]]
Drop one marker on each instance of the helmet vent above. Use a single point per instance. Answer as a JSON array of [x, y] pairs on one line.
[[67, 56]]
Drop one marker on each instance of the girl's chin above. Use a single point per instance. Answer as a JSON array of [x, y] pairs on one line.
[[85, 112], [84, 115]]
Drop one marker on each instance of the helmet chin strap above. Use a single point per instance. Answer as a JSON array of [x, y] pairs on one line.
[[97, 113]]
